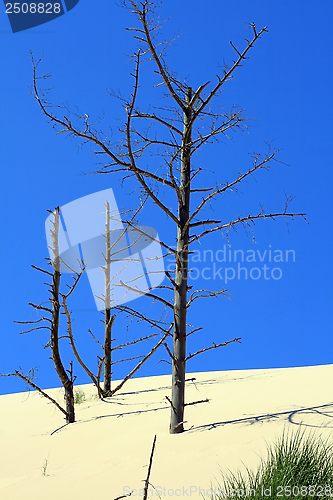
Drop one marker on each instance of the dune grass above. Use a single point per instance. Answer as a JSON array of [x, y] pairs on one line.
[[298, 466], [79, 396]]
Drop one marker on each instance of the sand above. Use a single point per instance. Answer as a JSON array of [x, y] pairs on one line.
[[105, 454]]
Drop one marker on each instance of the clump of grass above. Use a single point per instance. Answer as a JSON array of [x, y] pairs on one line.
[[79, 396], [44, 468], [297, 467]]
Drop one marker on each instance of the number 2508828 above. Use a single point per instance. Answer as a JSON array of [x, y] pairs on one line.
[[33, 8]]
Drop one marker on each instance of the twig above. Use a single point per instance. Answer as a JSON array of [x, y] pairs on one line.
[[197, 402]]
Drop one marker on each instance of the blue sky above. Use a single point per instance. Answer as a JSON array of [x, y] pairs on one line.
[[285, 90]]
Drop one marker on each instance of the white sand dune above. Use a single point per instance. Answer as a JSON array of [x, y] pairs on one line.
[[106, 452]]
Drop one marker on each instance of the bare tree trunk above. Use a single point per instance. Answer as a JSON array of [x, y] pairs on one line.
[[107, 352], [65, 380], [179, 336], [107, 309]]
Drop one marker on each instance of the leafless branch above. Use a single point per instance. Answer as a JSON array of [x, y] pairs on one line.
[[214, 346], [142, 15], [95, 338], [126, 359], [222, 188], [28, 379], [141, 317], [29, 322], [204, 295], [36, 328], [197, 402], [40, 307], [247, 220], [133, 167], [147, 294], [137, 114], [41, 270], [119, 386], [141, 339], [228, 73], [168, 350], [193, 331], [169, 401], [205, 222]]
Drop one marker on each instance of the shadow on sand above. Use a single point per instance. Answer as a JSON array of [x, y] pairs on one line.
[[304, 416], [298, 416]]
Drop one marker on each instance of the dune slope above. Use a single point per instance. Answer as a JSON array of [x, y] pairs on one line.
[[106, 452]]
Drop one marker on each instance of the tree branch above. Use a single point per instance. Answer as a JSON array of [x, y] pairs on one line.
[[154, 117], [197, 402], [214, 346], [119, 386], [151, 295], [129, 110], [66, 123], [142, 14], [28, 380], [240, 178], [246, 221], [228, 73]]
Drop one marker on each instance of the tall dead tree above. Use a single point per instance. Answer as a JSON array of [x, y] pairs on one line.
[[176, 130], [107, 309], [181, 287]]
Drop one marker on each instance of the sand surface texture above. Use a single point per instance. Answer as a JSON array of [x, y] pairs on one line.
[[106, 452]]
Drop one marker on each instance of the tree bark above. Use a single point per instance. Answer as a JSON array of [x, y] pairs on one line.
[[107, 352], [65, 380], [107, 308], [179, 335]]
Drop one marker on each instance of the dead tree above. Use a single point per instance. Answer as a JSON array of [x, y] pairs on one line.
[[179, 130], [107, 310], [66, 381], [112, 249], [66, 376], [59, 300]]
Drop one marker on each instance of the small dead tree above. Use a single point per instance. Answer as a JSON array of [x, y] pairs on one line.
[[96, 379], [66, 381], [112, 250], [59, 300], [180, 130], [66, 376]]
